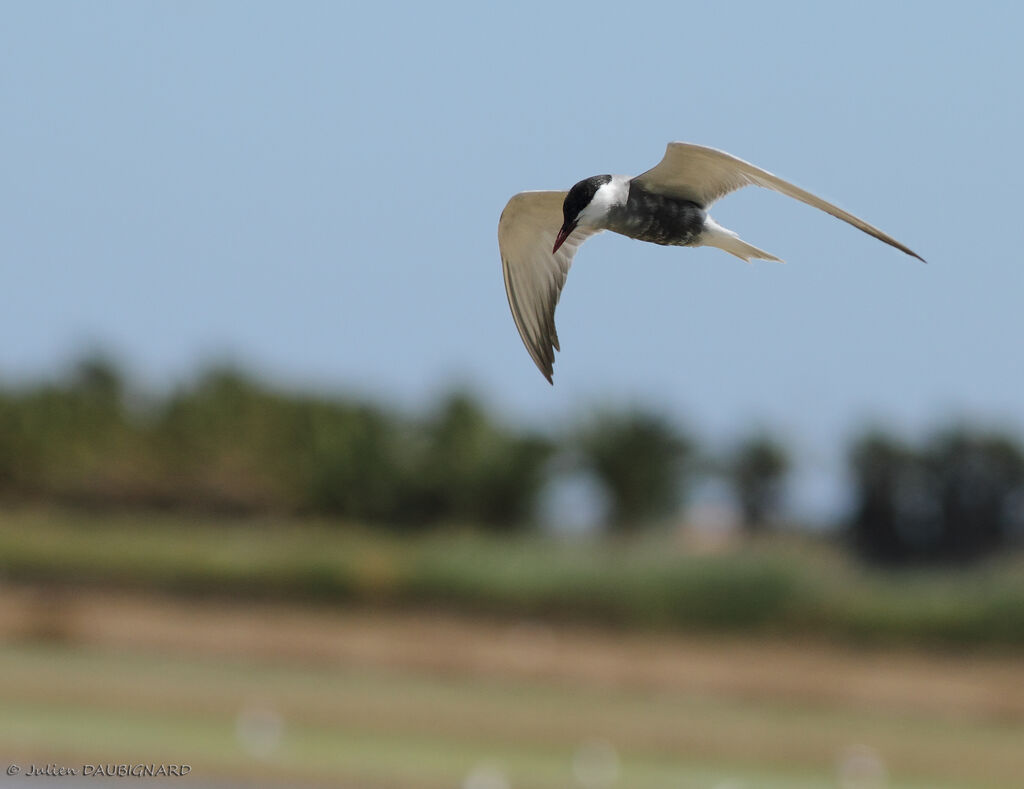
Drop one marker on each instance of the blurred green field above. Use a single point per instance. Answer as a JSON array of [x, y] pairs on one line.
[[776, 586], [358, 726], [312, 652]]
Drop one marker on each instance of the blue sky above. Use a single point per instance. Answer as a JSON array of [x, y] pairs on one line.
[[313, 189]]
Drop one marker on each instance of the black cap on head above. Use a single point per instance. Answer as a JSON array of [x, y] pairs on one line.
[[579, 197]]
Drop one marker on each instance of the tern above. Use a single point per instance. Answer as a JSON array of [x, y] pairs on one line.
[[539, 232]]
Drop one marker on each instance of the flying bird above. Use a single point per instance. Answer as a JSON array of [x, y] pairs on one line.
[[539, 232]]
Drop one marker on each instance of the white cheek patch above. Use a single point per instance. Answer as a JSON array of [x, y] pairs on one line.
[[613, 193]]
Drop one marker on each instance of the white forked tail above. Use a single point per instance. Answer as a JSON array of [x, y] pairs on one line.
[[714, 235]]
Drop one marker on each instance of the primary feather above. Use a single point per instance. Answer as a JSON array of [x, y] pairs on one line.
[[533, 276], [704, 175]]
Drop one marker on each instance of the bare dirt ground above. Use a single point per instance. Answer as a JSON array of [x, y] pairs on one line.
[[956, 686]]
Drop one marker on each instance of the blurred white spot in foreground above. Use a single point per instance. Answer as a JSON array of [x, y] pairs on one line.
[[485, 776], [860, 767], [595, 765], [259, 731]]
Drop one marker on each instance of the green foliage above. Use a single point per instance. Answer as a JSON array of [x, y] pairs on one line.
[[956, 498], [756, 472], [349, 461], [784, 587], [642, 461], [229, 444], [473, 471], [223, 444], [69, 439]]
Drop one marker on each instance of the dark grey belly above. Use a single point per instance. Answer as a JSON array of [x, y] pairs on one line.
[[647, 216]]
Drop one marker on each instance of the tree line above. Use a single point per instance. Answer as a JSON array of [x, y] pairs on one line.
[[228, 443]]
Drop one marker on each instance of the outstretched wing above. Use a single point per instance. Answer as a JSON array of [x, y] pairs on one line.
[[703, 175], [533, 276]]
